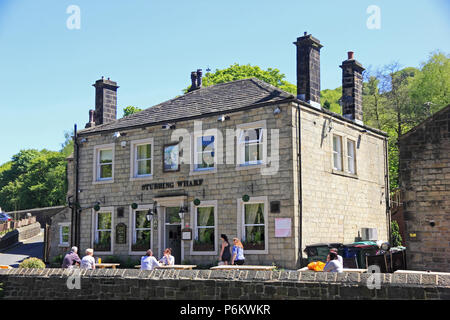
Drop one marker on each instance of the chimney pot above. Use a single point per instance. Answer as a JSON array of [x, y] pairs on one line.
[[199, 78], [350, 55]]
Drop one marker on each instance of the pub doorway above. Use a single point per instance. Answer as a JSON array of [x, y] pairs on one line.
[[172, 232]]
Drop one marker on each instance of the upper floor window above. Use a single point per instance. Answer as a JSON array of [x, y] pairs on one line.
[[337, 152], [251, 144], [142, 158], [351, 156], [104, 163], [204, 153]]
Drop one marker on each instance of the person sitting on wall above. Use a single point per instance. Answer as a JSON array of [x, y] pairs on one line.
[[338, 256], [333, 264], [167, 259], [238, 252], [71, 258], [88, 261], [149, 262]]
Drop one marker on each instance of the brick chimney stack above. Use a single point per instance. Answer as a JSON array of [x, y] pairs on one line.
[[352, 83], [91, 122], [308, 69], [105, 101]]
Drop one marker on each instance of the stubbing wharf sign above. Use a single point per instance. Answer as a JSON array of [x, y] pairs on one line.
[[172, 185]]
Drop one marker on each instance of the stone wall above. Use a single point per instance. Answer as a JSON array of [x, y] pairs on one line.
[[337, 204], [226, 186], [19, 235], [425, 182], [42, 215], [121, 284]]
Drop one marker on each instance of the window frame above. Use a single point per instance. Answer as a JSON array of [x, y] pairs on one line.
[[349, 157], [60, 227], [204, 204], [95, 227], [194, 170], [341, 153], [240, 146], [241, 222], [96, 165], [132, 224], [134, 161]]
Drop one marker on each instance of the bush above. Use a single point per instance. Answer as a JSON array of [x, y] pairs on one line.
[[395, 234], [32, 263]]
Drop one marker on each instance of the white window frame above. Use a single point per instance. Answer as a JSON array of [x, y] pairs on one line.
[[336, 153], [132, 224], [208, 203], [241, 222], [95, 230], [134, 161], [351, 158], [96, 165], [194, 169], [60, 227], [240, 146]]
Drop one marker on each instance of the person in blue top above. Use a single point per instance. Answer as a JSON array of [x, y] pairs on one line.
[[333, 264], [149, 262], [238, 252]]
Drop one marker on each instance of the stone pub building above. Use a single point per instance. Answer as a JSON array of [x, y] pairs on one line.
[[242, 158]]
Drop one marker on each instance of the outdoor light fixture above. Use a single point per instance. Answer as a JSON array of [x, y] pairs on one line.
[[149, 214], [116, 135], [183, 210], [277, 111], [168, 126], [83, 140], [222, 118]]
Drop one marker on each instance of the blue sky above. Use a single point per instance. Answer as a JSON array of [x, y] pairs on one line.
[[150, 47]]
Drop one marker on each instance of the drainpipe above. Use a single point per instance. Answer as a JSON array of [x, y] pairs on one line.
[[299, 171], [75, 210], [386, 182]]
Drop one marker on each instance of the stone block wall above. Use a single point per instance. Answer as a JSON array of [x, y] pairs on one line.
[[425, 182], [126, 284], [337, 204], [226, 186]]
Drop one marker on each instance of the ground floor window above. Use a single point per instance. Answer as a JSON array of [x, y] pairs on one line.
[[103, 231], [141, 237], [254, 226], [64, 232], [204, 229]]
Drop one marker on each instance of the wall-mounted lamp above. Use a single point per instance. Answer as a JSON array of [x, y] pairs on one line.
[[116, 135], [223, 118], [83, 140], [183, 211], [123, 144], [277, 111], [168, 126]]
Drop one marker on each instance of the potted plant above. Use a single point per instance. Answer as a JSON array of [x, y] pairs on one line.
[[202, 246]]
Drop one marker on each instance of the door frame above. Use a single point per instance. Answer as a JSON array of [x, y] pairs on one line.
[[163, 202]]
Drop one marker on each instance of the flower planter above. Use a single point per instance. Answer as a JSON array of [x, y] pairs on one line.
[[102, 247], [203, 247], [253, 246]]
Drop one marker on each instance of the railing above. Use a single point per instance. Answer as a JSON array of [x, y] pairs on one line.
[[396, 200]]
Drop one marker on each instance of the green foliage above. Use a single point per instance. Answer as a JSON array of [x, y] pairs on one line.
[[34, 263], [330, 99], [130, 110], [35, 178], [238, 72], [395, 234]]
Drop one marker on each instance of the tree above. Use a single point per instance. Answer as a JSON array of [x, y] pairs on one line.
[[130, 110], [395, 234], [238, 72], [330, 99]]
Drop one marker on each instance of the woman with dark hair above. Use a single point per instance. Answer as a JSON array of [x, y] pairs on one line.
[[225, 252], [333, 264]]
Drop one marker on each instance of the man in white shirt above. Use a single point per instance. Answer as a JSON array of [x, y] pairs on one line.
[[149, 262], [88, 261], [338, 256]]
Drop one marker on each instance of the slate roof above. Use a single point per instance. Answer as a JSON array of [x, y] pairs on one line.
[[216, 99]]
